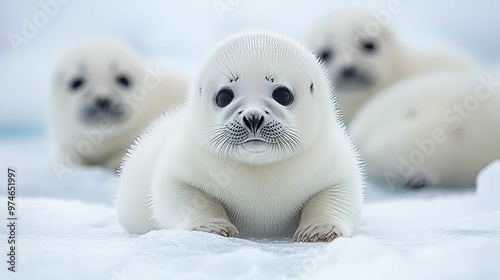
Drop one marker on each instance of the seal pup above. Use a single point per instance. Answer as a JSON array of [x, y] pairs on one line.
[[257, 150], [102, 96], [439, 129], [364, 56]]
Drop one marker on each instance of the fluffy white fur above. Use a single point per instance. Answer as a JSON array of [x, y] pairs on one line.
[[305, 182], [131, 95], [437, 129], [344, 35]]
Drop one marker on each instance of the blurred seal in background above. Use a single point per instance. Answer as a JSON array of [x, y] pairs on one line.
[[437, 129], [102, 96], [364, 56]]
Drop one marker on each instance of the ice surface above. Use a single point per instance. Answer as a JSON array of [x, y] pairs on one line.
[[68, 230]]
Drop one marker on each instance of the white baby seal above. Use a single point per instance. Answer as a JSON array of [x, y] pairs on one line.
[[258, 150], [102, 97], [363, 56], [437, 129]]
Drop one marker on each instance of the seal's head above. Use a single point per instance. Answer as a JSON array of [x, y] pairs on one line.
[[357, 48], [94, 82], [261, 98]]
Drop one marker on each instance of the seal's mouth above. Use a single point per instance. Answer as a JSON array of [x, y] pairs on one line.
[[255, 145], [114, 113], [255, 141], [354, 82]]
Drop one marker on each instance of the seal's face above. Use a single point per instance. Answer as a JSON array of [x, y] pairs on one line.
[[259, 102], [94, 84], [356, 49]]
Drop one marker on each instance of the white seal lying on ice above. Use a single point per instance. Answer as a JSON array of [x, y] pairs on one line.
[[258, 150]]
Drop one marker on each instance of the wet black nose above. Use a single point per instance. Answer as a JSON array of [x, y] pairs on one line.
[[103, 103], [253, 121], [348, 72]]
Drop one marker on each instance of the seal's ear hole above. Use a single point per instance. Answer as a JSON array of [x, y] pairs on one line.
[[283, 96], [123, 80], [311, 88], [224, 97], [76, 83]]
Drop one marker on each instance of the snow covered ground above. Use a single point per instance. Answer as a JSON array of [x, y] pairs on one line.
[[67, 227]]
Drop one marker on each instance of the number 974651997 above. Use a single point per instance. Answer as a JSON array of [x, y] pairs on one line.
[[11, 191]]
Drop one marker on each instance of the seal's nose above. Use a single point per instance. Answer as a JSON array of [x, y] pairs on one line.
[[348, 72], [103, 103], [253, 121]]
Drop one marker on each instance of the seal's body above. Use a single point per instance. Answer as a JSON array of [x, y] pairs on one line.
[[437, 129], [257, 150]]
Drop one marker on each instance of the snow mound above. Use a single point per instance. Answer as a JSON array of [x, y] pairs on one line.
[[488, 188]]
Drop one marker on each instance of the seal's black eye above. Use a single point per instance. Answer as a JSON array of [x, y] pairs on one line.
[[224, 97], [76, 83], [283, 96], [369, 46], [123, 80], [325, 55]]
